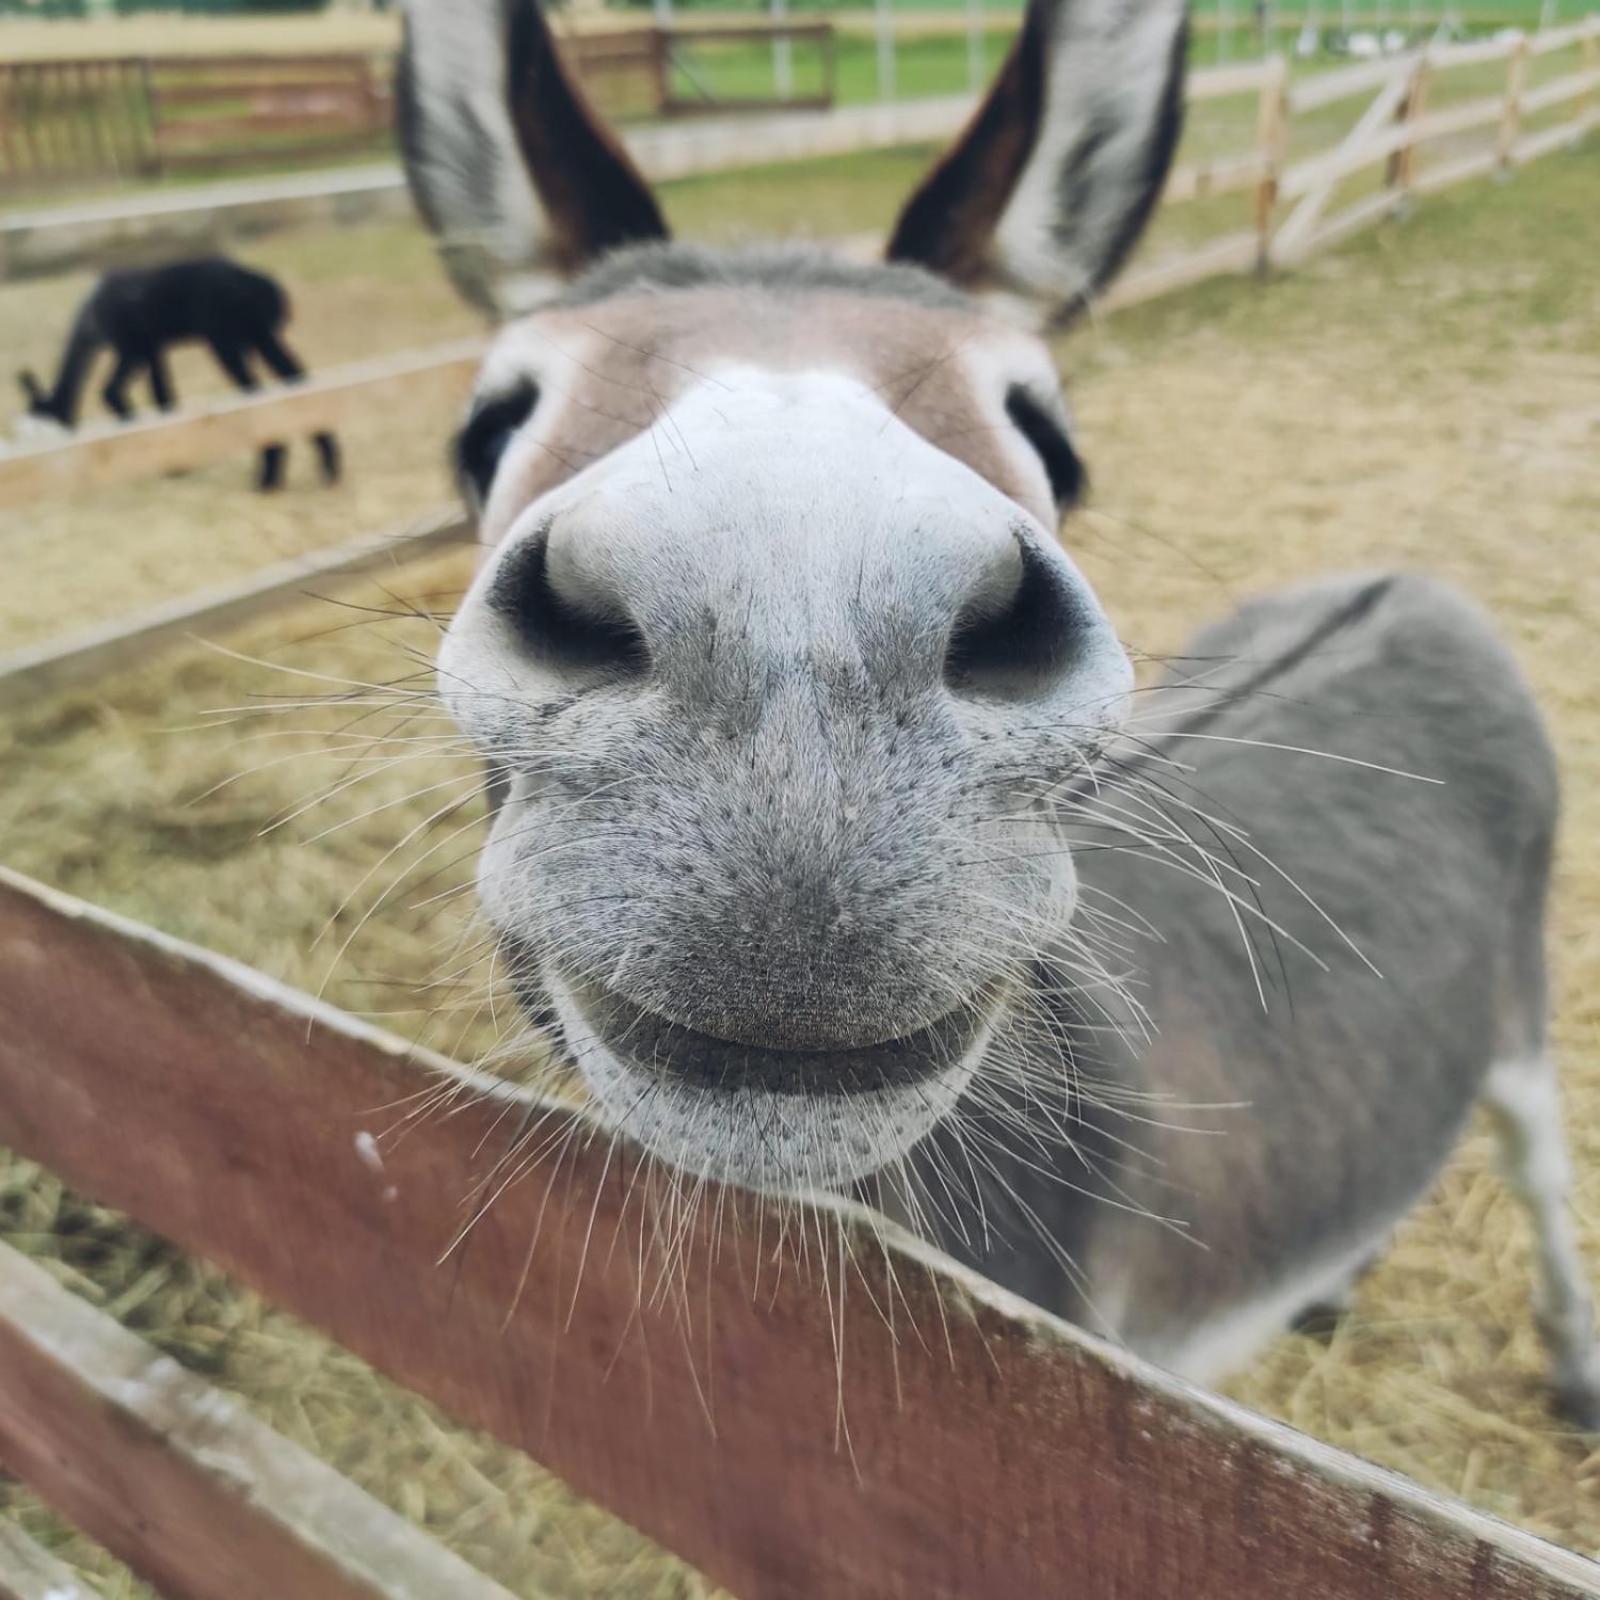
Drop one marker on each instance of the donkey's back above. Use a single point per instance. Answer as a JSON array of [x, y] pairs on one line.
[[1320, 895]]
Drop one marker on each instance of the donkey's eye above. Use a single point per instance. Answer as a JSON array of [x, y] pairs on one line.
[[1066, 472], [481, 444]]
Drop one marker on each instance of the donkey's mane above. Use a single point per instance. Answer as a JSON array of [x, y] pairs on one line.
[[792, 268]]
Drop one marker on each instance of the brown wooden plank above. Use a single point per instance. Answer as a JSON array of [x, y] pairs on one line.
[[254, 66], [992, 1450], [244, 158], [108, 453], [209, 94], [247, 127], [177, 1479], [29, 1572]]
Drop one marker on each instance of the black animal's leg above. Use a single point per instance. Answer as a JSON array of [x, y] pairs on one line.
[[270, 475], [161, 382], [328, 455], [161, 390], [115, 393], [286, 364]]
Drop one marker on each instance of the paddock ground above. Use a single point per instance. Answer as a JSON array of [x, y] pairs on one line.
[[1428, 397]]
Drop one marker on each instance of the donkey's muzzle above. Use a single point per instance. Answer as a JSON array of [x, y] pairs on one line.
[[658, 1047]]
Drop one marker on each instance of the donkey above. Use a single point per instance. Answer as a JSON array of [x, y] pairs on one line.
[[140, 313], [833, 840]]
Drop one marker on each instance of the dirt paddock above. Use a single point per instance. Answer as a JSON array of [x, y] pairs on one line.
[[1428, 397]]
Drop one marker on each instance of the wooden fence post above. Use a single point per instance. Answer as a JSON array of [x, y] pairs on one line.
[[1272, 139], [1511, 119], [1404, 169], [154, 109], [661, 66]]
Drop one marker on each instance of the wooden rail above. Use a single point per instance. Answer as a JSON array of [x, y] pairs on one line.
[[185, 1485], [892, 1429], [95, 652], [109, 453], [643, 71], [1393, 128]]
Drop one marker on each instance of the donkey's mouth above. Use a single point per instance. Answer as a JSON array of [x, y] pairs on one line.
[[660, 1048], [767, 1118]]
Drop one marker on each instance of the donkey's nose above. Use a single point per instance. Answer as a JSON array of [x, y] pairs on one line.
[[571, 619], [1029, 629]]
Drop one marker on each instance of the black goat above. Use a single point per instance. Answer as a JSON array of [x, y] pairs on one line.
[[139, 313]]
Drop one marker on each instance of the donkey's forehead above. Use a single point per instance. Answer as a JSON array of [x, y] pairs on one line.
[[608, 371]]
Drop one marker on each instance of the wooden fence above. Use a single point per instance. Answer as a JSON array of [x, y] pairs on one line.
[[875, 1423], [668, 72], [105, 454], [143, 117], [74, 120], [1290, 202]]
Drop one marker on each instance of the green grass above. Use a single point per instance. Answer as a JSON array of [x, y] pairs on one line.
[[826, 199], [926, 66]]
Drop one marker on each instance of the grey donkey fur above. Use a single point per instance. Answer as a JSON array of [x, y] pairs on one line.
[[828, 846], [1329, 964]]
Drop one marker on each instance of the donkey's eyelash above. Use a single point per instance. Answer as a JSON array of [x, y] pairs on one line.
[[1068, 476], [480, 445]]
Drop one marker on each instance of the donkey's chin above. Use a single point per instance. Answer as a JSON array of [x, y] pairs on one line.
[[778, 1121]]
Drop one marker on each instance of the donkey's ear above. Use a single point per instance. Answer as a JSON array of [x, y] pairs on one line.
[[1052, 183], [31, 388], [508, 162]]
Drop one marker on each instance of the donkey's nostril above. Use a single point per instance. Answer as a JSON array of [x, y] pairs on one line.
[[1015, 645], [588, 630]]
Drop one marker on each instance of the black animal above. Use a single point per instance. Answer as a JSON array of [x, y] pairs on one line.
[[140, 313]]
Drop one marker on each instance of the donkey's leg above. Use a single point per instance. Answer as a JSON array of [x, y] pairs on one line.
[[286, 364], [1320, 1318], [1524, 1102], [231, 356]]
